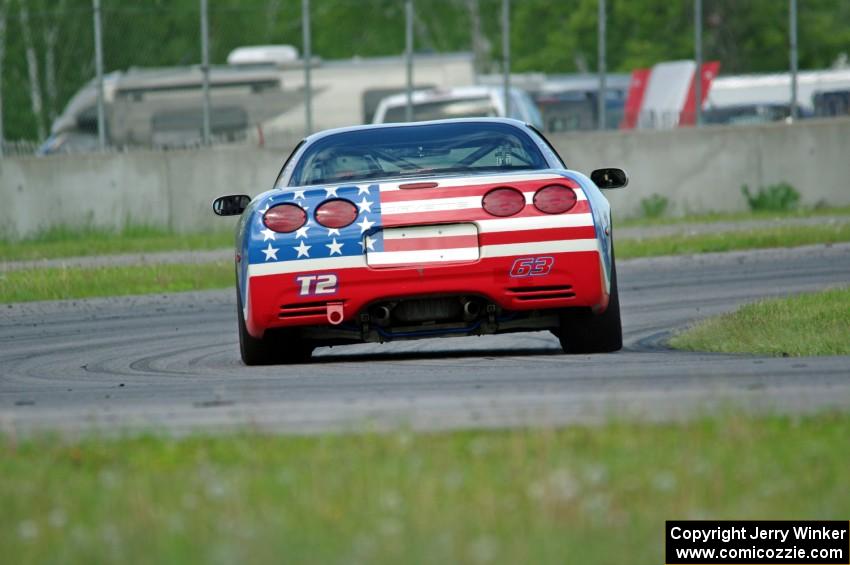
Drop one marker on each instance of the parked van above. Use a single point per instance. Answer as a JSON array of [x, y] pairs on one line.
[[461, 102]]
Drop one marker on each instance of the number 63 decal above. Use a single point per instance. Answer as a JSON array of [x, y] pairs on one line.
[[532, 266]]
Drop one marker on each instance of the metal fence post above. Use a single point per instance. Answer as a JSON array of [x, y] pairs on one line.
[[506, 54], [408, 57], [2, 58], [308, 61], [205, 70], [98, 64], [698, 58], [603, 70], [792, 24]]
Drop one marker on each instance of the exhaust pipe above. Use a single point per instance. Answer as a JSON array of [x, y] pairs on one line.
[[471, 309], [381, 314]]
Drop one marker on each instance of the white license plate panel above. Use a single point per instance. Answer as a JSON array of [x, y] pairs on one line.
[[416, 245]]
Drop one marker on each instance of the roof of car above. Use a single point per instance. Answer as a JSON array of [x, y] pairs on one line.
[[329, 132]]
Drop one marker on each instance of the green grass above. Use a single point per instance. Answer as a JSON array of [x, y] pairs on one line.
[[733, 217], [62, 283], [787, 236], [807, 324], [576, 495], [66, 242], [78, 282]]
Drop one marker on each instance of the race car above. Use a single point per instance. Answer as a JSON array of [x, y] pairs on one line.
[[445, 228]]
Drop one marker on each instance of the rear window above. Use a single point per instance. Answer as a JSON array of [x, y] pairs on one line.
[[452, 148], [457, 108]]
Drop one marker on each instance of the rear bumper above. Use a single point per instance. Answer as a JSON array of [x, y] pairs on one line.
[[576, 279]]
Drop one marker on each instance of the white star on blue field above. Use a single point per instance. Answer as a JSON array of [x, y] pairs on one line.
[[314, 241]]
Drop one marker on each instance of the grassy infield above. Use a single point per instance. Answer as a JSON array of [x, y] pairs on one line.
[[63, 283], [581, 495], [790, 236], [808, 324], [575, 495], [60, 283], [65, 242]]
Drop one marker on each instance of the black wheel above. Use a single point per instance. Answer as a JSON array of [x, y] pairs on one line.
[[276, 347], [584, 332]]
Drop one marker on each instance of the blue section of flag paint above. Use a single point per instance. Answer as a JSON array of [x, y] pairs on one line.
[[375, 241], [314, 241]]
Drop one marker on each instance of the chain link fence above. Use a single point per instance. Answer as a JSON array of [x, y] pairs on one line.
[[153, 79]]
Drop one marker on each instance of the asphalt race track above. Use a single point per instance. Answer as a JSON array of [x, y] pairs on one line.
[[171, 363]]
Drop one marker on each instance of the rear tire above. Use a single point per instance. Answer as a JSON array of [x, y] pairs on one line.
[[276, 347], [584, 332]]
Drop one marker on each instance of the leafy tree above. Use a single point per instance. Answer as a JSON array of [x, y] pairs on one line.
[[546, 35]]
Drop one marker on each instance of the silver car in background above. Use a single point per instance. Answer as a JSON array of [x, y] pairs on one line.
[[460, 102]]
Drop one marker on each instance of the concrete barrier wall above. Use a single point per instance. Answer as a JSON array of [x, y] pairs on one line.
[[697, 170], [163, 189], [703, 170]]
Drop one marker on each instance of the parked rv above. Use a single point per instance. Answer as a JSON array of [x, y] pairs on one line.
[[767, 97], [163, 108], [258, 95]]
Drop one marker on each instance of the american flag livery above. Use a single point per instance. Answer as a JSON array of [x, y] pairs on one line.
[[517, 242], [420, 242], [443, 224], [315, 247]]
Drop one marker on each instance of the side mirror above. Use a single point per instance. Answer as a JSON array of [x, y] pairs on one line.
[[609, 178], [231, 205]]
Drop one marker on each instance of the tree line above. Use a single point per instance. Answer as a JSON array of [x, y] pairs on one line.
[[47, 46]]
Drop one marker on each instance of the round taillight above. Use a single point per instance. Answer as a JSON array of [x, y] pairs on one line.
[[554, 199], [284, 218], [503, 201], [336, 213]]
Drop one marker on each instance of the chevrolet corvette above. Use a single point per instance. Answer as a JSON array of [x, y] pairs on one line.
[[446, 228]]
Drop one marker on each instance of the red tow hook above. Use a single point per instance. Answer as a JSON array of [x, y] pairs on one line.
[[335, 313]]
